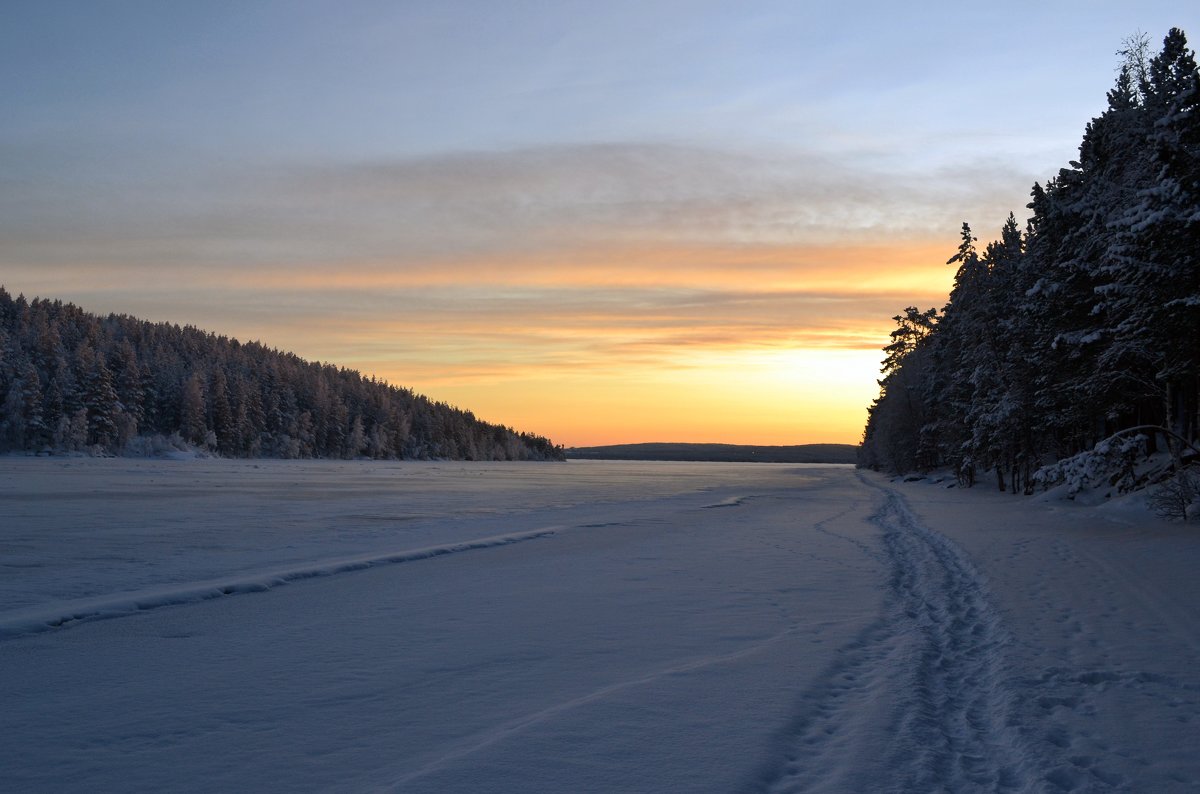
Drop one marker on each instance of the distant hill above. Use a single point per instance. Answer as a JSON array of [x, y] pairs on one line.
[[74, 381], [725, 453]]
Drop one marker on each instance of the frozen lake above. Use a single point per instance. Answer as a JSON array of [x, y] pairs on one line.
[[589, 626]]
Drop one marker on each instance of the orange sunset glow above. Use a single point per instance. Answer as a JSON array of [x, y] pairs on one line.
[[756, 344], [782, 345]]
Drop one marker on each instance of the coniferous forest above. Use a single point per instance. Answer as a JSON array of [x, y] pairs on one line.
[[1079, 331], [73, 381]]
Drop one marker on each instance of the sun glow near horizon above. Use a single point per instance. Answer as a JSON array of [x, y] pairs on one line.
[[724, 344], [776, 397], [775, 354], [730, 366]]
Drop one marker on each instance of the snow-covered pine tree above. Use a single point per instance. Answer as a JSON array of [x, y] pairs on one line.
[[1089, 322], [100, 399], [193, 410]]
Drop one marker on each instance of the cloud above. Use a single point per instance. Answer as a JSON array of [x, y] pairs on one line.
[[411, 212], [506, 200]]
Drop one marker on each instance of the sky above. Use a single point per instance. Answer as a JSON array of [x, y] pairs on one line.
[[601, 222]]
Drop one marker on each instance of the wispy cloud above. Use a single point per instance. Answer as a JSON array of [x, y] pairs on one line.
[[411, 211], [518, 199]]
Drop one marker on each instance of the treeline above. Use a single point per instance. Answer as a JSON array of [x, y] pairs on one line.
[[719, 453], [71, 380], [1082, 324]]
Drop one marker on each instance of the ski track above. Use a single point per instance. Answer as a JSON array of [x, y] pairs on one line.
[[71, 613], [487, 738], [921, 693]]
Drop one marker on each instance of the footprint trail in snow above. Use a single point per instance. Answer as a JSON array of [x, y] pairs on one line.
[[920, 697]]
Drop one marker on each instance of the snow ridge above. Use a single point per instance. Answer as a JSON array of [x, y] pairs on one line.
[[920, 697], [733, 501], [69, 613]]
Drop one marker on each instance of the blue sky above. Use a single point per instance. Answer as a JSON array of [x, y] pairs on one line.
[[237, 80], [266, 168]]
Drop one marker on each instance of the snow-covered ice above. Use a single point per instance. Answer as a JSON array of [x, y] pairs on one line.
[[590, 626]]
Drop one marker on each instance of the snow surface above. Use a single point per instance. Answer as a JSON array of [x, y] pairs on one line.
[[210, 625]]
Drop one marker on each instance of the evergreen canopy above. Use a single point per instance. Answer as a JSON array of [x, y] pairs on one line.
[[1085, 323], [70, 380]]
